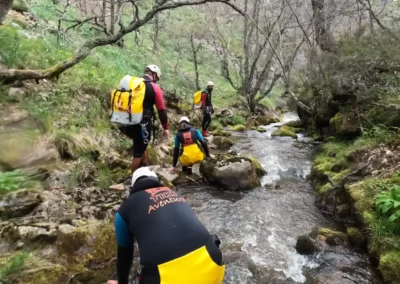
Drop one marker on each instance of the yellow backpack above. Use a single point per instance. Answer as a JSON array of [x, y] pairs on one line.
[[197, 99], [127, 101]]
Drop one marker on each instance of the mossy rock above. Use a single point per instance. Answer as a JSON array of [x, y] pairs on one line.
[[266, 119], [231, 172], [389, 265], [357, 239], [332, 237], [292, 129], [238, 127], [220, 132], [261, 129], [295, 124], [152, 156], [346, 125], [260, 170], [284, 132], [222, 142], [19, 6]]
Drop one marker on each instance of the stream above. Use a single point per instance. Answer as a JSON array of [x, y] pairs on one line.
[[258, 229]]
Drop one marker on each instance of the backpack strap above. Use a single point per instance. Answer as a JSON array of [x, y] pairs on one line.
[[113, 102]]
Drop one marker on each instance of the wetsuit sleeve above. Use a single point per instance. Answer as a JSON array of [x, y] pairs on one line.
[[203, 100], [202, 142], [124, 251], [176, 151], [160, 105]]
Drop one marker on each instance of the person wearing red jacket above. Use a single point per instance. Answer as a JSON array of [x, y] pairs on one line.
[[207, 108], [141, 133]]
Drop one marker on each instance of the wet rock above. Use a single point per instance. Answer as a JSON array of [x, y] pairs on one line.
[[220, 132], [231, 172], [306, 245], [266, 119], [222, 142], [284, 132], [16, 94], [19, 203], [346, 124], [238, 127], [333, 238], [295, 123], [357, 239], [261, 129], [167, 178]]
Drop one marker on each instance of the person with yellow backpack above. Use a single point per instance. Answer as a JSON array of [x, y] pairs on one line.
[[186, 146], [132, 108], [207, 108]]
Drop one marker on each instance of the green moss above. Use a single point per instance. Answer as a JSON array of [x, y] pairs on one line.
[[266, 119], [292, 129], [329, 233], [261, 129], [239, 127], [284, 132], [357, 239], [152, 156], [259, 169], [186, 108], [326, 188], [389, 265], [220, 132]]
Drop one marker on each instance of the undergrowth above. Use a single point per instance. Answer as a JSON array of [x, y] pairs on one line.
[[15, 180]]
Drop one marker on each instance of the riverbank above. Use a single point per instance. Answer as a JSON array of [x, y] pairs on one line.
[[350, 177]]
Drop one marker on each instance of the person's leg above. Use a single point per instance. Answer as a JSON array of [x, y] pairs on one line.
[[208, 122], [148, 138], [204, 122], [138, 147]]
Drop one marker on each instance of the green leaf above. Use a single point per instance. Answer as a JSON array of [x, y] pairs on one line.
[[386, 207]]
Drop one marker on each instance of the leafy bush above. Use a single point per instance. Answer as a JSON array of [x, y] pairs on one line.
[[14, 180], [388, 205]]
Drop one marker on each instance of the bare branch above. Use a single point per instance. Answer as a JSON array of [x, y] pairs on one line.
[[11, 75]]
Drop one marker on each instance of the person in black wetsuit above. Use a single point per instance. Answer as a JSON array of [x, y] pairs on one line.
[[207, 108], [175, 247]]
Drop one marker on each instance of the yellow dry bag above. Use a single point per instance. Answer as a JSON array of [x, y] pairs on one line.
[[127, 101], [197, 99]]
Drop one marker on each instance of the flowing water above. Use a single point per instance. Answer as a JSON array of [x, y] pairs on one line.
[[258, 229]]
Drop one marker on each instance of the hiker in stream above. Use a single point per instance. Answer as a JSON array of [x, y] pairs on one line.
[[186, 146], [207, 108], [132, 106], [175, 247]]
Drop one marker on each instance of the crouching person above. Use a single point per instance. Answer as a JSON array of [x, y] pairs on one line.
[[187, 146], [175, 247]]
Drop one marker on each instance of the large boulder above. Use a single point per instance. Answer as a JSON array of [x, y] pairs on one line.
[[19, 203], [346, 124], [231, 172]]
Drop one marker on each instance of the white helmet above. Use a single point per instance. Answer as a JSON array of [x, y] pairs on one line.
[[155, 69], [184, 118], [142, 172], [210, 83]]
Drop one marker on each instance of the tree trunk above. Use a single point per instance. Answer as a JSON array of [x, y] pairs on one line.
[[196, 65], [321, 34], [5, 6], [156, 32]]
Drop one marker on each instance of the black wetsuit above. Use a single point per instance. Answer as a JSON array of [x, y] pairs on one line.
[[164, 226]]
